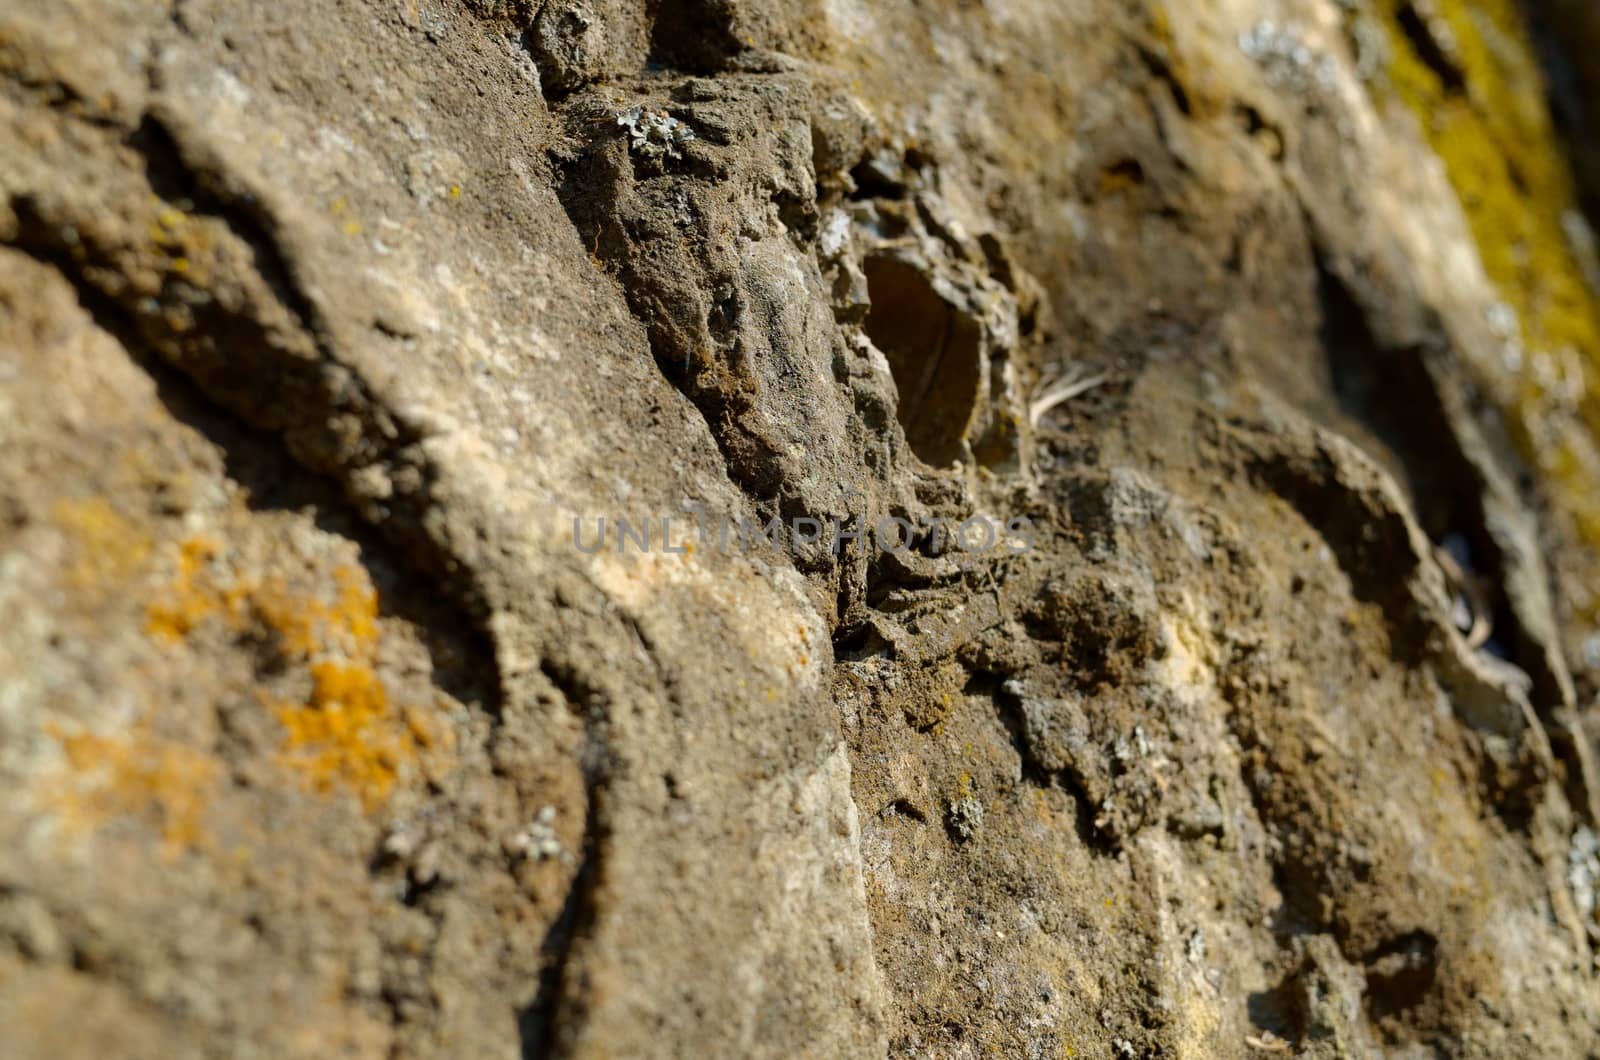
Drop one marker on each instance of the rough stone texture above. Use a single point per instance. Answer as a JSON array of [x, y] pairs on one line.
[[321, 322]]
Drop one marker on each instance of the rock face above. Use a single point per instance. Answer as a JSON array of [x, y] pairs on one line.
[[1120, 489]]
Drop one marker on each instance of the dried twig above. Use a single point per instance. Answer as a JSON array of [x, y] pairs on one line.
[[1060, 391], [1268, 1042]]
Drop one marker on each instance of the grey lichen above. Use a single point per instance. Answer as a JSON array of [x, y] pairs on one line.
[[965, 817], [653, 134]]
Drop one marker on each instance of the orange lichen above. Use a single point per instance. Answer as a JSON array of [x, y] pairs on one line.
[[133, 774], [308, 625], [346, 733], [194, 595]]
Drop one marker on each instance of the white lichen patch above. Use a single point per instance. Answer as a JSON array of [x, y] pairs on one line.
[[538, 841], [1288, 56], [1583, 875]]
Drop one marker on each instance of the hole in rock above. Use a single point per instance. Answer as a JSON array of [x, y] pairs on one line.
[[934, 351]]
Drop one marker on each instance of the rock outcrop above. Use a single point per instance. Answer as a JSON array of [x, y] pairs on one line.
[[1026, 528]]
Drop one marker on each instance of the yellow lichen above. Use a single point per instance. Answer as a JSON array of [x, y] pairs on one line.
[[185, 242], [1517, 191], [340, 207], [107, 546]]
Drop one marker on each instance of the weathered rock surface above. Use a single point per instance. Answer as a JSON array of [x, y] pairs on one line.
[[331, 329]]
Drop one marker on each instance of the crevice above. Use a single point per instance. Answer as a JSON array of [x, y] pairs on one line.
[[1400, 973], [176, 178], [1161, 70], [1563, 34], [1255, 125], [1389, 407], [871, 179], [934, 352], [254, 459], [698, 36], [904, 808], [1431, 49], [1280, 1009], [1390, 393], [229, 348], [859, 641], [1398, 394], [1008, 709], [545, 1026]]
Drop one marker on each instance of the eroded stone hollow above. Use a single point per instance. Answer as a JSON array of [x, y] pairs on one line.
[[934, 351]]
